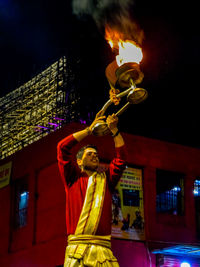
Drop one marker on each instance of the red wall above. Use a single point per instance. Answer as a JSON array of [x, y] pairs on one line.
[[42, 241]]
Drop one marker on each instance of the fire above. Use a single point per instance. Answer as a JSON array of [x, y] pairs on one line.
[[111, 44], [128, 50]]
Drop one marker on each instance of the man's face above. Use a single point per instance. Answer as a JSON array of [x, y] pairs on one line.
[[90, 160]]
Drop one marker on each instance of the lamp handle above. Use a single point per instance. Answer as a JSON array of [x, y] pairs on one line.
[[119, 112], [120, 95]]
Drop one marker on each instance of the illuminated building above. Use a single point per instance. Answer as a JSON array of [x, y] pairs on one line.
[[33, 228], [38, 107]]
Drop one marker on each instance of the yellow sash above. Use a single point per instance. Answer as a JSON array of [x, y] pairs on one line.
[[92, 207]]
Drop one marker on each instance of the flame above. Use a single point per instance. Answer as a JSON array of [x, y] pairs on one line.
[[111, 44], [128, 50]]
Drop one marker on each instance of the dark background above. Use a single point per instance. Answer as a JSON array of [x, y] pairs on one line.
[[33, 34]]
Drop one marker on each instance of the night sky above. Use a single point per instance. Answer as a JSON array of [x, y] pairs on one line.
[[33, 34]]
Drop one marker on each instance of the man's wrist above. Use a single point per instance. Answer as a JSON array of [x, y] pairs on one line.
[[115, 132], [89, 131]]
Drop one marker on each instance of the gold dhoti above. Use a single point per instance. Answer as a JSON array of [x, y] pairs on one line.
[[89, 250]]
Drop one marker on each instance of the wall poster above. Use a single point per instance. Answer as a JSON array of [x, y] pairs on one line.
[[5, 173], [127, 205]]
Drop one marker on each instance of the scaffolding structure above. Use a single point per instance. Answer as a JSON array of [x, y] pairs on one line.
[[37, 108]]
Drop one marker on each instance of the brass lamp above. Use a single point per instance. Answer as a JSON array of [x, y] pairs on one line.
[[124, 77]]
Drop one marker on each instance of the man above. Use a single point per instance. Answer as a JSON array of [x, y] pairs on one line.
[[88, 198]]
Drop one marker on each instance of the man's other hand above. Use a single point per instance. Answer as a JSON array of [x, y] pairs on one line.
[[112, 121]]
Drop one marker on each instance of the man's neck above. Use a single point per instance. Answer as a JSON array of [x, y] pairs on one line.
[[89, 172]]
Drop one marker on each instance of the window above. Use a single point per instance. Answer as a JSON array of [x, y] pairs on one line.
[[21, 196], [197, 188], [197, 205], [169, 192]]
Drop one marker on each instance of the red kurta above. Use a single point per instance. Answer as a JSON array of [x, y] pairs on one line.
[[75, 183]]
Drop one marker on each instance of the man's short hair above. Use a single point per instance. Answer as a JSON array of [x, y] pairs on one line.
[[80, 153]]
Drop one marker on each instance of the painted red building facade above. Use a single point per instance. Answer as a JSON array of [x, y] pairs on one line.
[[37, 237]]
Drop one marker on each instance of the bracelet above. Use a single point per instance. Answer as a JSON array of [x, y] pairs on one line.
[[116, 134]]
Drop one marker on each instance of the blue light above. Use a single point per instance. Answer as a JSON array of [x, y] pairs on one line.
[[196, 192], [24, 194], [185, 264], [176, 189], [23, 201]]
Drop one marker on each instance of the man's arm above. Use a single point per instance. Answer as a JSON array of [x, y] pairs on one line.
[[112, 122], [82, 134], [68, 168], [88, 131], [64, 146], [118, 164]]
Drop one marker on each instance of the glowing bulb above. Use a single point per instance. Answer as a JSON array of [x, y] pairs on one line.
[[185, 264]]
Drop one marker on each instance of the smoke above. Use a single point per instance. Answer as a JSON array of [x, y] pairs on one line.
[[117, 15]]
